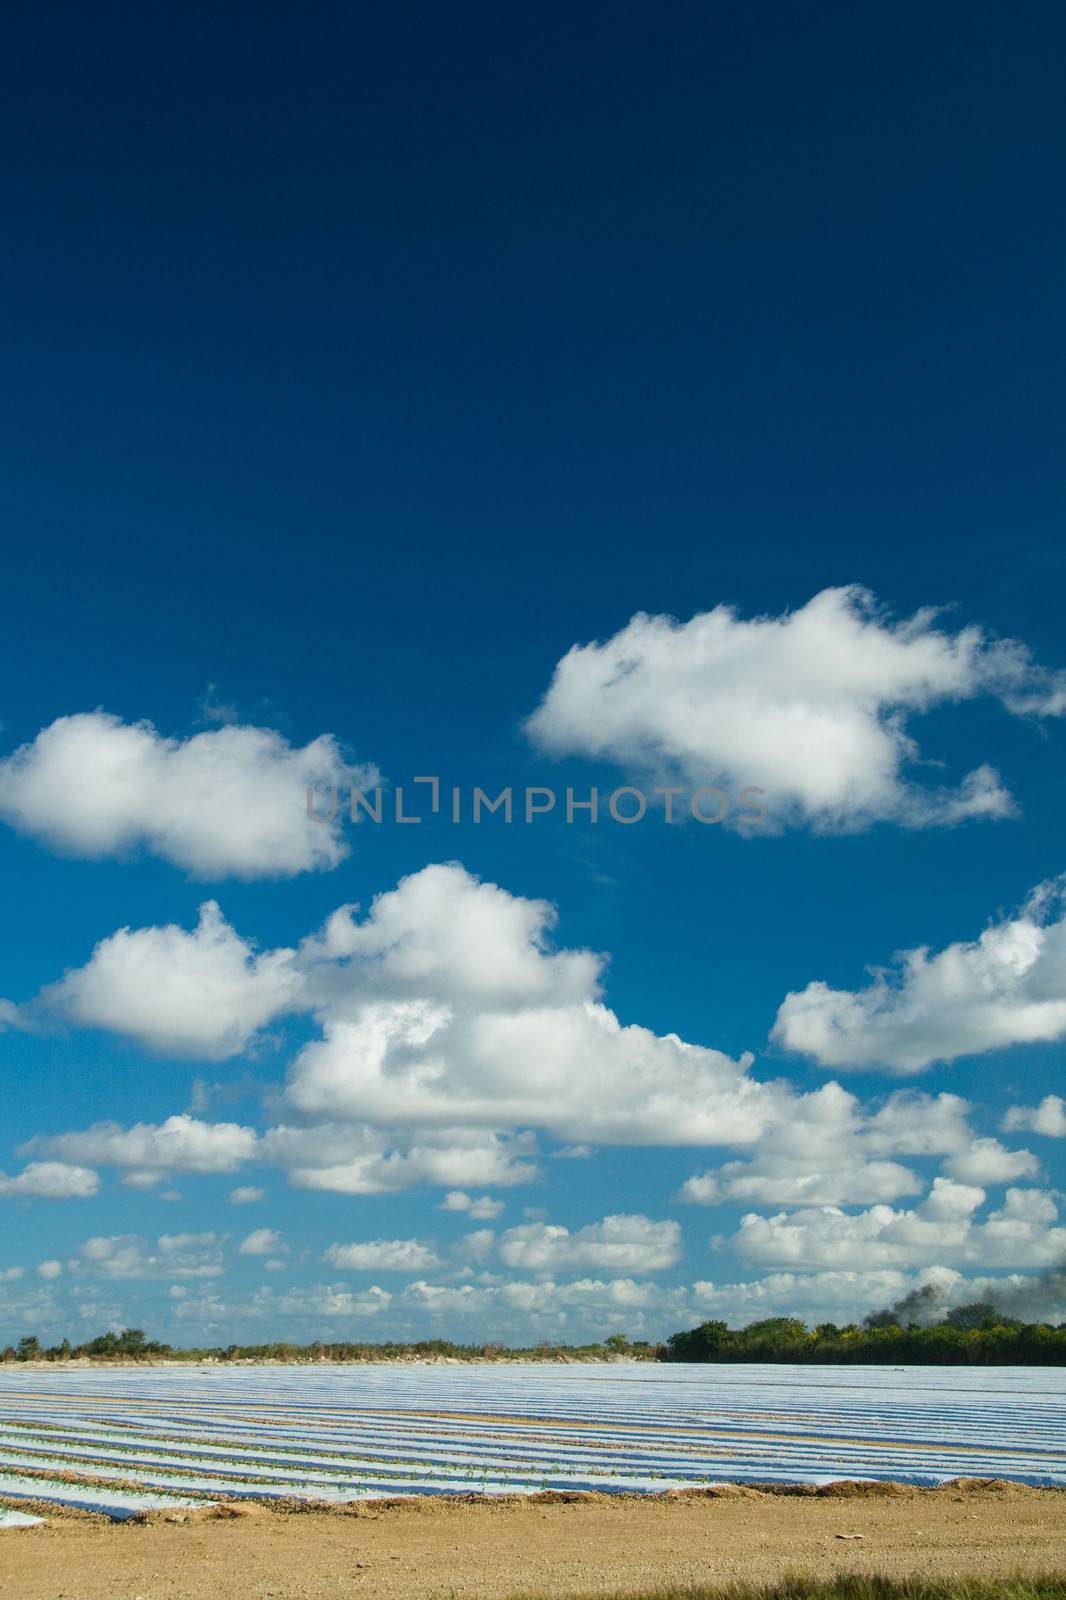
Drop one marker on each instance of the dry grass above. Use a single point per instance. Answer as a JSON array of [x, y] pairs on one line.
[[798, 1586]]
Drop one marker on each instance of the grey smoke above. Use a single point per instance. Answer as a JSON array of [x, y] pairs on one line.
[[1041, 1299], [924, 1306]]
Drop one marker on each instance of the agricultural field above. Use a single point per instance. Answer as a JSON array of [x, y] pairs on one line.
[[121, 1440]]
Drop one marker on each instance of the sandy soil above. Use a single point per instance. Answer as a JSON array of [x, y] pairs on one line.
[[488, 1550]]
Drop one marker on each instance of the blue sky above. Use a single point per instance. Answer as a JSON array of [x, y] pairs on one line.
[[358, 372]]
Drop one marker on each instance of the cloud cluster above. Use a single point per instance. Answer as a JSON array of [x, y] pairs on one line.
[[1023, 1232], [810, 706], [382, 1255], [180, 1144], [1007, 987], [128, 1255], [831, 1150], [446, 1007], [521, 1310], [625, 1244], [340, 1157], [51, 1180], [203, 994], [1048, 1118], [352, 1158], [225, 803], [262, 1242], [481, 1208], [987, 1161], [452, 1030]]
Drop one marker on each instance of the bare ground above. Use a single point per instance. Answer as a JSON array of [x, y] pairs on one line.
[[556, 1545]]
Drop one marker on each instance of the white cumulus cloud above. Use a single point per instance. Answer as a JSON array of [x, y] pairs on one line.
[[352, 1159], [203, 994], [225, 803], [262, 1242], [127, 1255], [1006, 987], [810, 706], [829, 1149], [1048, 1118], [619, 1243], [941, 1230], [447, 1006], [451, 1029], [382, 1255], [51, 1180], [481, 1208], [987, 1161], [179, 1144]]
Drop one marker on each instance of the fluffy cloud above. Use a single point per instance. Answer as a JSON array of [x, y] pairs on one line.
[[809, 706], [447, 1007], [619, 1243], [573, 1070], [477, 1245], [348, 1159], [913, 1124], [830, 1150], [1007, 987], [31, 1309], [988, 1161], [1048, 1118], [516, 1311], [450, 1027], [203, 994], [246, 1195], [51, 1180], [382, 1255], [941, 1230], [842, 1295], [846, 1295], [337, 1301], [262, 1242], [481, 1209], [785, 1183], [49, 1269], [127, 1255], [229, 802], [322, 1309], [543, 1306], [180, 1144], [443, 936]]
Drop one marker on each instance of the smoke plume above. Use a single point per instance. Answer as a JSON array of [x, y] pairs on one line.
[[1040, 1299]]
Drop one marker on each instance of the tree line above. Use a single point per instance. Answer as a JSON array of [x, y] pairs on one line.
[[132, 1345], [969, 1335]]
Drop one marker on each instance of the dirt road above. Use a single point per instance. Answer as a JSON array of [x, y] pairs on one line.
[[485, 1551]]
